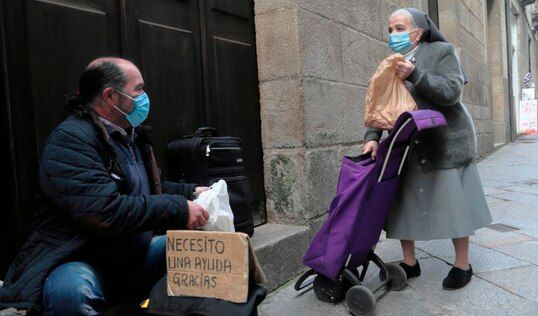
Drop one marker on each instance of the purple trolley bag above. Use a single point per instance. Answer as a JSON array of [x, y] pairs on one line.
[[357, 214]]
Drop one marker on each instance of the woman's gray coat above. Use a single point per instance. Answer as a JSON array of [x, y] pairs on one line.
[[436, 83]]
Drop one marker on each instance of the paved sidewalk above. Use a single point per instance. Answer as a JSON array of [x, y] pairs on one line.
[[504, 256]]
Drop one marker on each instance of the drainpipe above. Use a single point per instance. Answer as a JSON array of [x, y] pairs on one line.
[[508, 17]]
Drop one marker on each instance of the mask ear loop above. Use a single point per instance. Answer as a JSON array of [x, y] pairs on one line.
[[125, 95], [418, 40]]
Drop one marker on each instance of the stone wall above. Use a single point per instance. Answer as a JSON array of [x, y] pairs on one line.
[[314, 59], [464, 24], [498, 65]]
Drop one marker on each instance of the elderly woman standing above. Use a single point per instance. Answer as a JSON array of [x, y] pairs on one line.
[[440, 194]]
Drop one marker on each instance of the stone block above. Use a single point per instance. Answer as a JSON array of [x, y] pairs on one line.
[[277, 44], [350, 151], [500, 133], [498, 84], [285, 184], [322, 166], [484, 75], [470, 93], [410, 3], [355, 14], [482, 259], [495, 60], [320, 46], [262, 6], [472, 45], [489, 238], [477, 9], [485, 146], [480, 126], [390, 250], [482, 95], [361, 56], [279, 249], [470, 65], [520, 281], [489, 127], [499, 103], [448, 19], [473, 299], [334, 112], [527, 250], [513, 213], [386, 9], [282, 114]]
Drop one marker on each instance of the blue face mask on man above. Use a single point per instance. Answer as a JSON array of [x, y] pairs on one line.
[[140, 111], [400, 42]]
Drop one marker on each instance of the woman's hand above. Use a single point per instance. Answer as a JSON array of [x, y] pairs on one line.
[[371, 146], [404, 69]]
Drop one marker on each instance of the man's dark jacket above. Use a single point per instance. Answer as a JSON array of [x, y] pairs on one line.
[[84, 198]]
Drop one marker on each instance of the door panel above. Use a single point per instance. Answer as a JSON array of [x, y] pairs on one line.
[[164, 39], [61, 40], [171, 83], [48, 44], [233, 82]]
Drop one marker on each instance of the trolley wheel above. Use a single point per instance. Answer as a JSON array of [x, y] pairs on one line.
[[360, 300], [328, 290], [398, 275]]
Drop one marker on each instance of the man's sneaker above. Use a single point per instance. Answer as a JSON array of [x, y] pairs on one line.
[[457, 278], [411, 271]]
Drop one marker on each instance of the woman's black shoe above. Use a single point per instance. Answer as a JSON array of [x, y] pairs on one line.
[[457, 278], [411, 271]]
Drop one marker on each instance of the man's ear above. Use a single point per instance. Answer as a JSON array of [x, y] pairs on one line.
[[108, 95]]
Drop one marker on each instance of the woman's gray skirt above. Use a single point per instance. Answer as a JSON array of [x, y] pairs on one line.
[[437, 204]]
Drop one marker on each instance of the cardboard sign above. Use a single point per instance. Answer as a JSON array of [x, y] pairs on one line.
[[210, 264]]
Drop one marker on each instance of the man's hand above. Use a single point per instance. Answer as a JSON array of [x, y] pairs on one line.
[[371, 146], [199, 190], [404, 69], [198, 216]]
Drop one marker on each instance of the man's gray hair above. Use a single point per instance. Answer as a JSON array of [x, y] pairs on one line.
[[406, 13]]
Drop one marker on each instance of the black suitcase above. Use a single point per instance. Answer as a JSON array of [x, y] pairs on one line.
[[204, 158]]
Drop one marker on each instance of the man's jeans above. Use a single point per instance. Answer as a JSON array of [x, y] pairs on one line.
[[76, 288]]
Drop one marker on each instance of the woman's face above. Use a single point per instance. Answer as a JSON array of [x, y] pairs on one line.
[[402, 23]]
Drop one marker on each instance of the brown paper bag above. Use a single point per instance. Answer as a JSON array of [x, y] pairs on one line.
[[387, 96]]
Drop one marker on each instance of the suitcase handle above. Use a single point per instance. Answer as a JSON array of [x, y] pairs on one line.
[[205, 132]]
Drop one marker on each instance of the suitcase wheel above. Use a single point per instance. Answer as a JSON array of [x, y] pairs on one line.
[[398, 275], [360, 300]]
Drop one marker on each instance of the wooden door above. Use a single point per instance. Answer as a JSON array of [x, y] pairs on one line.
[[232, 83], [47, 45]]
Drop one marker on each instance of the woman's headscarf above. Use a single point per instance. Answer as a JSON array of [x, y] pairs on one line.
[[431, 32], [423, 21]]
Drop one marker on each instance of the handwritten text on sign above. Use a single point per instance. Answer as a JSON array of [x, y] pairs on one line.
[[207, 264]]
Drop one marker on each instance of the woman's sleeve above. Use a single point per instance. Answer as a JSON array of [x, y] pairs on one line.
[[372, 134], [444, 86]]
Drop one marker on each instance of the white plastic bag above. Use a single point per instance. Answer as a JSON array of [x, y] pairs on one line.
[[217, 202]]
